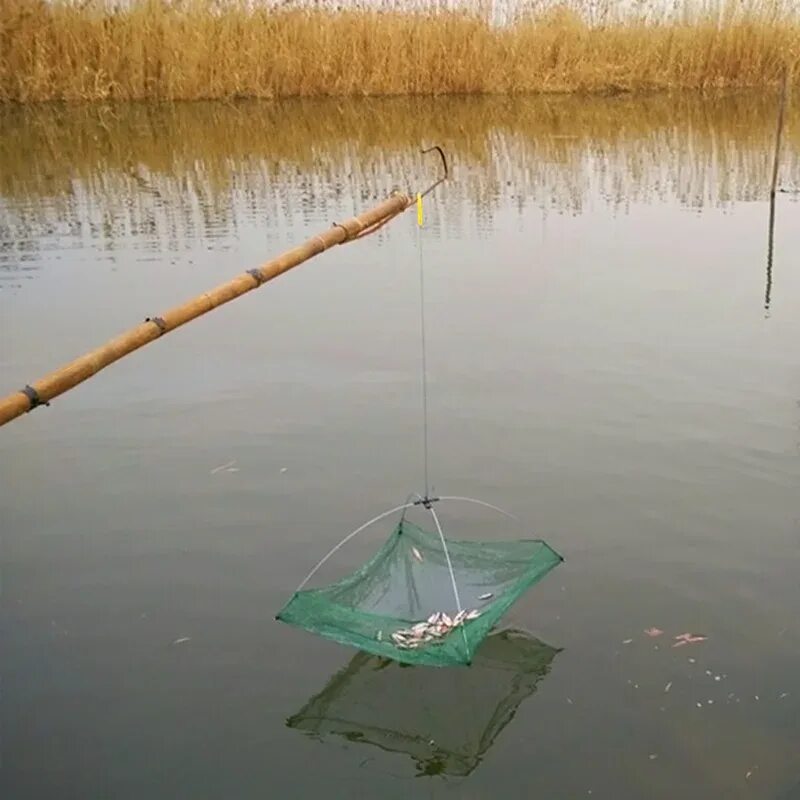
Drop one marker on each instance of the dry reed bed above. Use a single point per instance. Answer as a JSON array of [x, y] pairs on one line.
[[152, 49]]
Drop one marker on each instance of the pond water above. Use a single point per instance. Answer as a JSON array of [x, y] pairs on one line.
[[610, 357]]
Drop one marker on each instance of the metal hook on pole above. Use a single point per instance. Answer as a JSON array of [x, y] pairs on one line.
[[444, 165], [389, 217]]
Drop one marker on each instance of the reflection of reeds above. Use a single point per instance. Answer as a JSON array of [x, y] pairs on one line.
[[192, 49], [181, 170]]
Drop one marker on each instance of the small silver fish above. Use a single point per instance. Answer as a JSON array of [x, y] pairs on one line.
[[420, 627], [417, 554], [438, 625], [486, 596], [379, 637]]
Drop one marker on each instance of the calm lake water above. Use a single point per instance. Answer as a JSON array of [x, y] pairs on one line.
[[604, 361]]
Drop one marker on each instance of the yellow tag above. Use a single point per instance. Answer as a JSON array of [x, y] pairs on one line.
[[419, 210]]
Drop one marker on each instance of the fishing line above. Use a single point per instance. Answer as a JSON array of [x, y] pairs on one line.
[[424, 363]]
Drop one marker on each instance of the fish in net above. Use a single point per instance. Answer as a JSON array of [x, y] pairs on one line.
[[422, 599]]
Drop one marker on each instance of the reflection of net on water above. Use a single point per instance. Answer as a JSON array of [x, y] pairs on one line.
[[445, 720]]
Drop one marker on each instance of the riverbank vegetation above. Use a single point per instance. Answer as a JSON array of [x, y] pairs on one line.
[[63, 50]]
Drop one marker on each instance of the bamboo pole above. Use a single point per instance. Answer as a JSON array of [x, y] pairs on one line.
[[81, 369]]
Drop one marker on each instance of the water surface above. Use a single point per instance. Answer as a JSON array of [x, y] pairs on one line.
[[603, 361]]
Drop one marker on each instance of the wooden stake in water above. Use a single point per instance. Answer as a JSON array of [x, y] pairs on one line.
[[774, 187], [779, 132]]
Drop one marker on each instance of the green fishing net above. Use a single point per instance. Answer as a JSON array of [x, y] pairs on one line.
[[408, 580], [444, 720]]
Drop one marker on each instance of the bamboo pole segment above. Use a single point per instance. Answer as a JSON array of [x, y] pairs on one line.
[[81, 369]]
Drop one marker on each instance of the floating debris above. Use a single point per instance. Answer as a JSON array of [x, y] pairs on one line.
[[416, 553], [688, 638], [437, 626], [222, 467], [653, 632]]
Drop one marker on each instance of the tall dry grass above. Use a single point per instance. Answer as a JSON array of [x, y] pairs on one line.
[[193, 49]]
